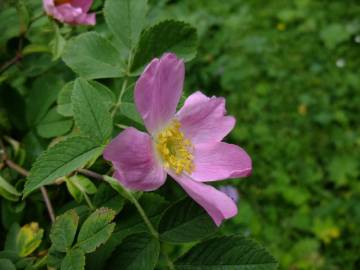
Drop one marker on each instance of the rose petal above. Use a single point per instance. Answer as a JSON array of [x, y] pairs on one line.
[[158, 90], [86, 19], [48, 6], [67, 13], [216, 203], [83, 4], [136, 166], [218, 161], [230, 191], [203, 119]]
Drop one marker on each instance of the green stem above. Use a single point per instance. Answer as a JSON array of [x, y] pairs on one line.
[[143, 214], [124, 85], [88, 201], [18, 56], [130, 196], [11, 62], [125, 193], [118, 103]]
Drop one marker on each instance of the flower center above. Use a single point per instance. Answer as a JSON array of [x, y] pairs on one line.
[[61, 2], [174, 149]]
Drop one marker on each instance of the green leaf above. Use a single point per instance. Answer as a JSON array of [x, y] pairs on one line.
[[9, 254], [334, 34], [64, 100], [96, 229], [53, 125], [43, 94], [184, 222], [97, 260], [138, 251], [118, 187], [227, 252], [108, 197], [342, 168], [8, 191], [74, 260], [35, 48], [12, 213], [6, 264], [91, 116], [33, 145], [78, 185], [28, 239], [8, 196], [60, 160], [74, 191], [9, 24], [126, 19], [36, 64], [105, 94], [24, 17], [129, 110], [63, 231], [84, 184], [55, 258], [57, 44], [40, 30], [10, 242], [93, 57], [39, 263], [15, 114], [167, 36]]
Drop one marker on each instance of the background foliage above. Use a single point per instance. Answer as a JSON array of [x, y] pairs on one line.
[[289, 72]]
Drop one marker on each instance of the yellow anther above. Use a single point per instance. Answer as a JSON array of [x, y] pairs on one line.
[[174, 149]]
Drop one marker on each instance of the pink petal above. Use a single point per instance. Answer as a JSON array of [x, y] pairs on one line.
[[230, 191], [68, 13], [158, 90], [216, 203], [217, 161], [136, 166], [86, 19], [203, 119], [83, 4], [48, 6]]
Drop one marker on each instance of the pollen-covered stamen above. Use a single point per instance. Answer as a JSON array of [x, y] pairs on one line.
[[174, 149]]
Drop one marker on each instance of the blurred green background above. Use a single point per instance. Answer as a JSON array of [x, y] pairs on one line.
[[290, 73]]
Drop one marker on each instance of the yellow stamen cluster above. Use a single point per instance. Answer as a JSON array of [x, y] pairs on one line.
[[174, 149]]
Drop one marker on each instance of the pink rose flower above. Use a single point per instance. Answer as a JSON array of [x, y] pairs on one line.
[[186, 145], [70, 11]]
